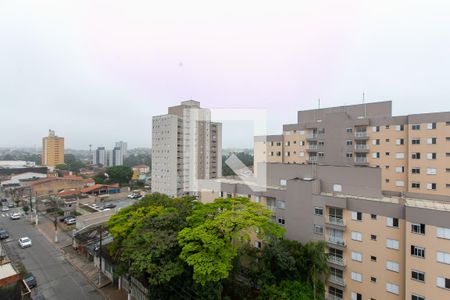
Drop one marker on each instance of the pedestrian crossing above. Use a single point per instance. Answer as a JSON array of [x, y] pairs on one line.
[[8, 214]]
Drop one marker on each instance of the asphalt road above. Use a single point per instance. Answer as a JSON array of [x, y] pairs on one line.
[[56, 278]]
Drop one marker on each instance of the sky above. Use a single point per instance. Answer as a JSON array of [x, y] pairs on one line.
[[97, 71]]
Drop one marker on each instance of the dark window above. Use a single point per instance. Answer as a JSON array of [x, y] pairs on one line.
[[415, 127], [373, 237], [373, 216], [415, 185], [415, 141], [415, 155], [417, 251], [415, 170], [418, 228], [415, 297], [373, 258], [373, 279], [417, 275], [318, 211]]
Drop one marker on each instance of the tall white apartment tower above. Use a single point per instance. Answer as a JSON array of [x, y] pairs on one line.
[[186, 148]]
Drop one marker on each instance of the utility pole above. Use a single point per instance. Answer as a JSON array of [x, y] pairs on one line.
[[55, 222], [100, 256]]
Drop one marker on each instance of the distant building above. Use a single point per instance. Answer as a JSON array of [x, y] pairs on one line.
[[186, 148], [123, 147], [115, 157], [140, 171], [52, 150], [100, 156]]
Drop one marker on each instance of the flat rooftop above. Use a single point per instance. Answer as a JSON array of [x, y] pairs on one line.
[[7, 271]]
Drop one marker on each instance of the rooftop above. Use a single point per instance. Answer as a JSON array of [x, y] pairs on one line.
[[6, 271]]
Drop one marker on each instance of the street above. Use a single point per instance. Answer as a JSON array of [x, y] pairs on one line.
[[56, 278]]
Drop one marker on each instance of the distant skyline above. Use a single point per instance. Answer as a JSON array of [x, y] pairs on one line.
[[96, 72]]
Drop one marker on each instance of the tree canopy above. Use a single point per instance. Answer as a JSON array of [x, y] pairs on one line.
[[115, 174]]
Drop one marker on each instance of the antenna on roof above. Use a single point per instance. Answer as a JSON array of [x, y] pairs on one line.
[[318, 103], [365, 105]]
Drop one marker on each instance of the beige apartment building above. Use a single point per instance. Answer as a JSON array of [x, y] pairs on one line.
[[52, 150], [375, 187], [412, 151], [186, 148]]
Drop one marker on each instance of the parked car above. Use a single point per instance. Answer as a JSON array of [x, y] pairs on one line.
[[15, 216], [70, 220], [24, 242], [4, 200], [109, 205], [30, 280], [5, 208], [38, 297], [11, 205], [3, 234]]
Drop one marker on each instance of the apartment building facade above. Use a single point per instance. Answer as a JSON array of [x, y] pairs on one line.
[[380, 247], [52, 150], [186, 148], [413, 151]]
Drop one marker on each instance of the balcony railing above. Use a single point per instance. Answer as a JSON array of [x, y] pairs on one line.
[[336, 220], [336, 280], [334, 297], [336, 260], [336, 241], [361, 134], [313, 147], [361, 147], [361, 160]]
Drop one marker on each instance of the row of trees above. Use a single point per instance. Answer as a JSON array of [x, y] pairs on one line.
[[185, 249], [115, 174]]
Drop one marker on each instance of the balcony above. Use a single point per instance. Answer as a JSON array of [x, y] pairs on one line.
[[336, 260], [361, 148], [312, 148], [314, 136], [361, 135], [336, 241], [361, 161], [339, 221], [336, 280], [312, 159]]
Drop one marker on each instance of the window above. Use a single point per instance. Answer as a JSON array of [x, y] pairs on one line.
[[415, 141], [349, 154], [337, 188], [399, 127], [258, 199], [373, 216], [376, 142], [376, 155], [431, 125], [376, 128], [357, 236], [443, 257], [283, 182], [415, 155], [349, 130], [356, 296], [418, 228], [431, 186], [443, 282], [399, 155], [356, 215], [417, 251], [357, 256], [415, 185], [392, 222], [431, 155], [415, 170], [281, 204], [373, 279], [415, 127], [392, 244], [399, 141], [318, 229], [418, 275], [281, 221], [373, 258], [349, 142], [392, 288], [357, 276], [392, 266], [373, 237], [321, 154], [318, 211], [443, 233], [431, 171], [431, 141], [386, 153], [387, 126], [400, 169], [417, 297]]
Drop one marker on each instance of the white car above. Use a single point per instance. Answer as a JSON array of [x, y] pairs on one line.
[[5, 208], [15, 216], [24, 242]]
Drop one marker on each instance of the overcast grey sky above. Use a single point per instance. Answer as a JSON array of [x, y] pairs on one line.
[[97, 71]]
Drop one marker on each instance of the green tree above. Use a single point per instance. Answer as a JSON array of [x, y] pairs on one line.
[[217, 230], [118, 174], [287, 290], [245, 158]]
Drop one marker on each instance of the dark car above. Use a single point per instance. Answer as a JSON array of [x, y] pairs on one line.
[[38, 297], [109, 205], [4, 200], [3, 234], [30, 280]]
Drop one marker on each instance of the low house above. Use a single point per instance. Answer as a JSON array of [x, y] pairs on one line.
[[10, 282], [101, 189]]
